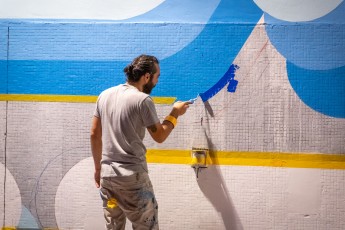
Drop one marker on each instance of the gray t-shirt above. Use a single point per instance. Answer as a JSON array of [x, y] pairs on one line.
[[125, 112]]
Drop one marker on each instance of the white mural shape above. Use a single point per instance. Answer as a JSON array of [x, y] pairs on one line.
[[77, 191], [75, 9], [296, 10]]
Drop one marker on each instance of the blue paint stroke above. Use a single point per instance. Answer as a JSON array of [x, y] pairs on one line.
[[228, 77]]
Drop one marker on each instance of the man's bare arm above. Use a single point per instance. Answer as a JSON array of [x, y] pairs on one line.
[[96, 147], [160, 131]]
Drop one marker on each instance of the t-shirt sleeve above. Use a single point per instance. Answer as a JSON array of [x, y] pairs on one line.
[[97, 113], [148, 112]]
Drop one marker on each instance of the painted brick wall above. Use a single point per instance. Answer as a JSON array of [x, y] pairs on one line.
[[276, 139]]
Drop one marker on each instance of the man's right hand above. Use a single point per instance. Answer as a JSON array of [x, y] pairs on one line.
[[180, 108], [97, 178], [159, 132]]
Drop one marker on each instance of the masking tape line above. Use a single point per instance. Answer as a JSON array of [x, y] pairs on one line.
[[68, 98], [266, 159]]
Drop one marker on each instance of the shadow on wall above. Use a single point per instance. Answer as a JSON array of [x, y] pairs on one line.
[[214, 189], [211, 183]]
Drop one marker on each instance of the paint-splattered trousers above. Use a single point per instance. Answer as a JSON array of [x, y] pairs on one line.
[[131, 197]]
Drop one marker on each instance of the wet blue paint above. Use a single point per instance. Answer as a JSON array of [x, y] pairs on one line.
[[232, 85], [228, 77]]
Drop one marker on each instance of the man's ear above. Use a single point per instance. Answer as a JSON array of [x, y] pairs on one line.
[[147, 77]]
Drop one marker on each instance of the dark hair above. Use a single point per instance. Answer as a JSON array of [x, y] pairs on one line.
[[140, 66]]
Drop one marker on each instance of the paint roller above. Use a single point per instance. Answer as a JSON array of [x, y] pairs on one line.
[[199, 159], [200, 150]]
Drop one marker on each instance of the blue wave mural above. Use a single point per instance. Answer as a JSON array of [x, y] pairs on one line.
[[85, 58], [315, 59], [322, 90]]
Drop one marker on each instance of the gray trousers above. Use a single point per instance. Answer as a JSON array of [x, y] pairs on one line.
[[130, 197]]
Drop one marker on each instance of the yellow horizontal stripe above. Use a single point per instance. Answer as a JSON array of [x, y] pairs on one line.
[[68, 98], [14, 228], [47, 98], [268, 159]]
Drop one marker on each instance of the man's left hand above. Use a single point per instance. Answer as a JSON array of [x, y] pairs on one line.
[[97, 177]]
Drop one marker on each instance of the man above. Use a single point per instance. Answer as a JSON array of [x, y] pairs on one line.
[[118, 127]]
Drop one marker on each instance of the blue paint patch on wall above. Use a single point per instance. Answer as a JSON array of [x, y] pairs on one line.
[[317, 44], [63, 77], [322, 90]]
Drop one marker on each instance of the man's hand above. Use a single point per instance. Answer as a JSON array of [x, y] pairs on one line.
[[180, 108], [97, 177], [159, 132]]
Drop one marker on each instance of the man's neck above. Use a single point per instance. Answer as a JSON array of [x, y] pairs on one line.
[[136, 85]]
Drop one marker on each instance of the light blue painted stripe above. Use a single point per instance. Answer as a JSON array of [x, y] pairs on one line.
[[57, 40], [103, 42], [3, 41], [3, 57]]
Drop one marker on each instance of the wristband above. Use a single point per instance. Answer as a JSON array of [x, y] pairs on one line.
[[171, 119]]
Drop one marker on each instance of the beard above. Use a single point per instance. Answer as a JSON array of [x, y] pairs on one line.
[[148, 87]]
